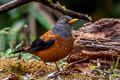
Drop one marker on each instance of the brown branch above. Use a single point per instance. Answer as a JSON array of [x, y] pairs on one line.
[[13, 4], [66, 11], [16, 3]]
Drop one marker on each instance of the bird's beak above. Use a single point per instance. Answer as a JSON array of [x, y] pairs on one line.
[[73, 21]]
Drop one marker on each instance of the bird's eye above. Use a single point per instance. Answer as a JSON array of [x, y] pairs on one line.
[[64, 20]]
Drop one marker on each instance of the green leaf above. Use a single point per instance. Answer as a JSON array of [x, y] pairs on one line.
[[92, 67], [6, 53], [19, 45], [32, 37], [36, 58], [4, 30], [3, 41], [14, 14], [27, 56], [116, 65], [19, 77], [40, 18], [16, 27], [50, 1]]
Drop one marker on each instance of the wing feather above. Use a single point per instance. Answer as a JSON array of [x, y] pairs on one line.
[[37, 45]]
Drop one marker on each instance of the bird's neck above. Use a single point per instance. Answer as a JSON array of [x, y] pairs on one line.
[[62, 31]]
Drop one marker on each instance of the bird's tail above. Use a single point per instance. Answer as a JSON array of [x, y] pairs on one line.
[[21, 50]]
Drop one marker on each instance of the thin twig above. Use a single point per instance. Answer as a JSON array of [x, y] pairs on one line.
[[66, 11]]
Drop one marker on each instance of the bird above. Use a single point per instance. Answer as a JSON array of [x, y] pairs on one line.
[[55, 44]]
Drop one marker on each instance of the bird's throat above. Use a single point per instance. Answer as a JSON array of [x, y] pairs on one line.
[[62, 32]]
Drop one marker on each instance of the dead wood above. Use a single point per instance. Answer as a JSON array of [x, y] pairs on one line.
[[98, 40]]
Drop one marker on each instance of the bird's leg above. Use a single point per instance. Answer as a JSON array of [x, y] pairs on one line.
[[46, 66], [57, 66]]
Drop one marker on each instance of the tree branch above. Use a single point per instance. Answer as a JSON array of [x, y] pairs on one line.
[[13, 4], [66, 11], [16, 3]]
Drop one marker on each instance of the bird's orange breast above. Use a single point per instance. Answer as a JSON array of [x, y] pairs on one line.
[[59, 50]]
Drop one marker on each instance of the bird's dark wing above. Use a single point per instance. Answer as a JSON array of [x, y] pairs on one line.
[[37, 45], [40, 44]]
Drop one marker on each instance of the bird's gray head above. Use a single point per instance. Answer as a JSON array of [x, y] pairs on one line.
[[63, 26]]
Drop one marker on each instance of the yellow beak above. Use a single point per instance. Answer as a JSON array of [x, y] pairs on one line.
[[73, 21]]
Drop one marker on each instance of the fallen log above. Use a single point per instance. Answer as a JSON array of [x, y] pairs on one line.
[[97, 40]]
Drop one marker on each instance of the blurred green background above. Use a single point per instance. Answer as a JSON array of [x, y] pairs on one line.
[[31, 20]]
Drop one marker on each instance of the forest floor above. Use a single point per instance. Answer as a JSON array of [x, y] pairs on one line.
[[18, 69]]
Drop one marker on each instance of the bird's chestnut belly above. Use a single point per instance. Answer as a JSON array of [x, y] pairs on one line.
[[59, 50]]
